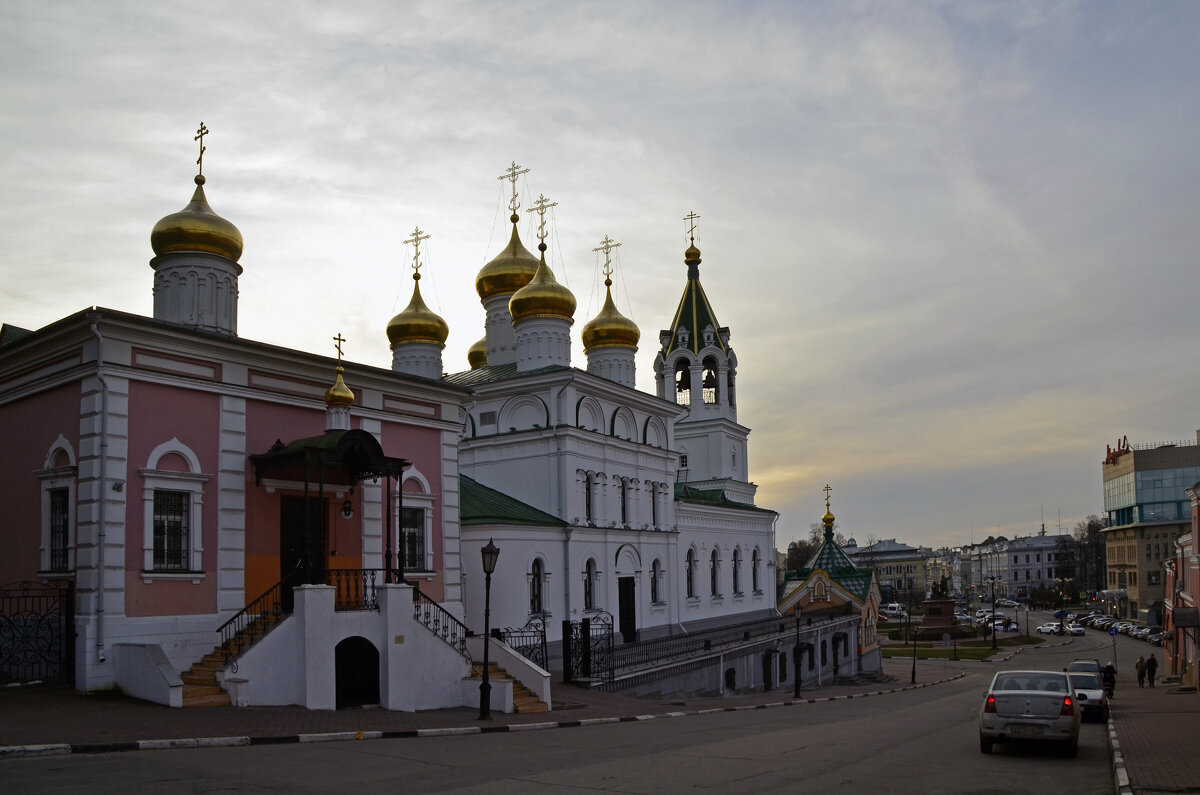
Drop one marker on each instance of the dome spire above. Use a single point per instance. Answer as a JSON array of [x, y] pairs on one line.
[[610, 339], [828, 518], [339, 398], [418, 334], [692, 255]]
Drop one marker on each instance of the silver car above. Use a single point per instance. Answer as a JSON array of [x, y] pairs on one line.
[[1035, 706], [1090, 692]]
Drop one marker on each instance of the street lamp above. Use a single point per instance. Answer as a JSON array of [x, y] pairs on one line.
[[796, 651], [1061, 582], [992, 579], [489, 553]]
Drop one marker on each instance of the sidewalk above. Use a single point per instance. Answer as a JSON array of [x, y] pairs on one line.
[[55, 721], [1157, 731]]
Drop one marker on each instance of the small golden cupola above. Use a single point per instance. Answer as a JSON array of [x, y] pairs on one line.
[[195, 265], [338, 398], [418, 334], [339, 395], [477, 354], [610, 328]]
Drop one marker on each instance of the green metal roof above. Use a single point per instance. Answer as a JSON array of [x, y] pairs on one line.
[[686, 493], [694, 313], [834, 561], [500, 372], [482, 505]]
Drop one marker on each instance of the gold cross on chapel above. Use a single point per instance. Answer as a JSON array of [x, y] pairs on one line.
[[827, 489], [337, 343], [607, 245], [541, 206], [511, 173], [200, 133], [691, 218], [415, 238]]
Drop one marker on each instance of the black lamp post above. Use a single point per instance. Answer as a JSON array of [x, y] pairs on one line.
[[796, 652], [1061, 582], [489, 553], [992, 580]]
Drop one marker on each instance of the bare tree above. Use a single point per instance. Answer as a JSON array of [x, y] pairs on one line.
[[1089, 536]]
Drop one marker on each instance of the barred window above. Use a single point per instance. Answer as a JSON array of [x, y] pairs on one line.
[[60, 526], [412, 542], [171, 509]]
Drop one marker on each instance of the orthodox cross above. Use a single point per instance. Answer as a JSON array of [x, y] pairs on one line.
[[691, 218], [541, 206], [416, 239], [511, 173], [337, 343], [607, 245], [203, 131], [826, 490]]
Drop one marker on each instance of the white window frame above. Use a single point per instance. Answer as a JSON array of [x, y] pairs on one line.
[[192, 483], [424, 500], [52, 478]]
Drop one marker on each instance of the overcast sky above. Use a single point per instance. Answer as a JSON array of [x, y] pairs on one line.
[[955, 243]]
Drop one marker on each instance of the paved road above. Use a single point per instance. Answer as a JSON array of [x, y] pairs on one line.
[[920, 741]]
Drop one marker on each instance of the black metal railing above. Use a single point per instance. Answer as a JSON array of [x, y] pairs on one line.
[[37, 632], [588, 649], [354, 589], [529, 641], [255, 620], [440, 622]]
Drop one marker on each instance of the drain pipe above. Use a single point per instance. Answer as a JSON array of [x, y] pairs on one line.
[[562, 500], [101, 536]]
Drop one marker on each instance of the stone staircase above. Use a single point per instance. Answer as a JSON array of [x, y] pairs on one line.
[[200, 686], [524, 701]]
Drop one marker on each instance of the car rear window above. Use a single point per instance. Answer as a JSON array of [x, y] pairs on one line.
[[1046, 683], [1086, 681]]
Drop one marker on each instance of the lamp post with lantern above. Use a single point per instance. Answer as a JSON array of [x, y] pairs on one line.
[[489, 553]]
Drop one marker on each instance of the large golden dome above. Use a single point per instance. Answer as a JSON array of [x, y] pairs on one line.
[[610, 329], [477, 354], [197, 228], [417, 323], [509, 271], [542, 297]]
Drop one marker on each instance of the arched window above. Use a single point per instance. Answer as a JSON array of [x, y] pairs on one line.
[[588, 511], [624, 501], [711, 383], [737, 571], [537, 576], [754, 571], [683, 382], [691, 573], [714, 573], [589, 585], [655, 575]]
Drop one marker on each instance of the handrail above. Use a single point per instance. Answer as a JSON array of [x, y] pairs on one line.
[[440, 622], [253, 621], [355, 589]]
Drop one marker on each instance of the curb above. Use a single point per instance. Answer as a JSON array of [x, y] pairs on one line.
[[61, 749]]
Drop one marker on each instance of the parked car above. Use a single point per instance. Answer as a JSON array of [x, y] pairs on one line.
[[1075, 629], [1089, 689], [1091, 666], [1050, 629], [1035, 706], [1155, 639]]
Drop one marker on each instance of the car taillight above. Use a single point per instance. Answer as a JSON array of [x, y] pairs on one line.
[[990, 704], [1068, 707]]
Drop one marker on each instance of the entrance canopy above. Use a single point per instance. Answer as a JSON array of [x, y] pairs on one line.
[[355, 453]]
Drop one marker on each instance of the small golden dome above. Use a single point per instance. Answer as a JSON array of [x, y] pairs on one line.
[[197, 228], [417, 323], [509, 271], [827, 519], [477, 354], [610, 329], [542, 297], [339, 395], [692, 254]]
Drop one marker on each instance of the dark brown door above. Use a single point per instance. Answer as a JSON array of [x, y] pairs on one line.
[[301, 543], [627, 608]]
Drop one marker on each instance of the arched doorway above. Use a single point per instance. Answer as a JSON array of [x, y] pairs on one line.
[[356, 667]]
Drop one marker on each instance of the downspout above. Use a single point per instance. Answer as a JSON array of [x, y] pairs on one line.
[[101, 535], [562, 502]]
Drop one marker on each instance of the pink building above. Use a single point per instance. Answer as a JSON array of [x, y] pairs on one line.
[[1181, 622]]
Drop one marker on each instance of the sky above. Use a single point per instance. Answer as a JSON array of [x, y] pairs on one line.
[[955, 243]]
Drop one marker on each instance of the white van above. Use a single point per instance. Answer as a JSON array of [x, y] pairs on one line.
[[894, 610]]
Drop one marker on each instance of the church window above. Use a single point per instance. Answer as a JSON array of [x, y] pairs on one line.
[[654, 505], [754, 571], [412, 543], [710, 383], [58, 500], [60, 527], [737, 572], [171, 509], [589, 585], [487, 418], [683, 382], [537, 577], [624, 484], [655, 576], [683, 461], [690, 574], [714, 573], [588, 508]]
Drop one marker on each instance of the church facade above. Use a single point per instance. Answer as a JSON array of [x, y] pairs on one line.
[[176, 476]]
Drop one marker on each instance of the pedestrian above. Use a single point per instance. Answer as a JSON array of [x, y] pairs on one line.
[[1151, 668], [1141, 671], [1109, 676]]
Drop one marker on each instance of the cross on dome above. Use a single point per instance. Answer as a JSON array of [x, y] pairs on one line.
[[337, 343], [607, 245], [691, 218], [415, 239], [511, 173], [541, 206], [200, 133]]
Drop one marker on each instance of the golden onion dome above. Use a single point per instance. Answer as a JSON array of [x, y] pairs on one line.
[[692, 254], [417, 323], [197, 228], [477, 354], [509, 271], [339, 395], [610, 329], [542, 297]]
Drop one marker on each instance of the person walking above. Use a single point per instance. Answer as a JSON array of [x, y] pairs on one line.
[[1151, 668], [1141, 671]]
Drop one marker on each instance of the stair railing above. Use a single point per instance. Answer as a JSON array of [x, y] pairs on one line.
[[440, 622], [254, 620]]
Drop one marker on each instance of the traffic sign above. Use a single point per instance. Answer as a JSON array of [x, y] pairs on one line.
[[1113, 631]]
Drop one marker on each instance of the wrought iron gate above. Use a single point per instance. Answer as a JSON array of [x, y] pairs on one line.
[[529, 641], [37, 633], [588, 649]]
